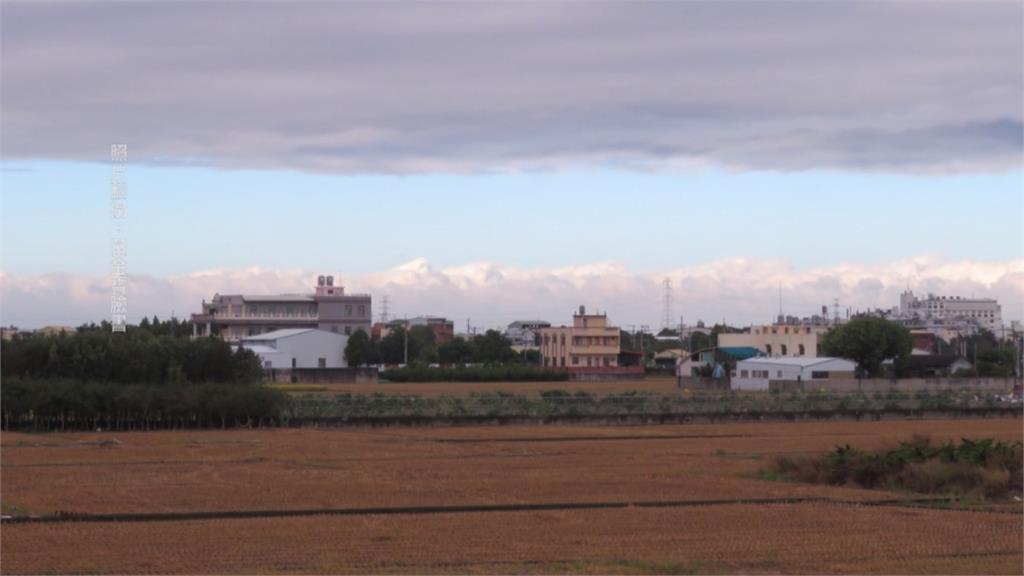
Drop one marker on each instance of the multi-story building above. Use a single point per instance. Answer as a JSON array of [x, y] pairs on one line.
[[443, 329], [329, 308], [589, 343], [950, 310], [778, 339], [525, 333]]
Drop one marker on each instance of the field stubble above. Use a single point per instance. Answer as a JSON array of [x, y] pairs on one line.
[[309, 469]]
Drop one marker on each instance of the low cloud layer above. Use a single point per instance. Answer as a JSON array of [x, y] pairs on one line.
[[741, 291], [399, 88]]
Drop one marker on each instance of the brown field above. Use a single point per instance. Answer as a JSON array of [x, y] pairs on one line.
[[432, 389], [355, 468]]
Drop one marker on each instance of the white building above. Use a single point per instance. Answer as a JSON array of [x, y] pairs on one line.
[[525, 333], [755, 373], [983, 312], [298, 348]]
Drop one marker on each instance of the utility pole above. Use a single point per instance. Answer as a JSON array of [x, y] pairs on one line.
[[667, 312], [405, 331]]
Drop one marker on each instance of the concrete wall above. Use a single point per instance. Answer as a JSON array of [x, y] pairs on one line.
[[329, 375], [872, 385], [700, 383]]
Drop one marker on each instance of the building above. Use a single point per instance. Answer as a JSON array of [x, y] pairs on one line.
[[298, 348], [589, 343], [329, 308], [713, 360], [756, 373], [525, 333], [949, 311], [443, 329], [778, 340], [924, 342]]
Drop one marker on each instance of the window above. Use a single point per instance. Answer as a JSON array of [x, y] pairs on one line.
[[768, 349], [362, 309], [607, 362], [590, 361], [293, 362], [822, 375], [348, 310], [784, 350], [348, 330], [321, 362], [778, 373], [267, 365], [744, 373], [575, 360], [800, 349]]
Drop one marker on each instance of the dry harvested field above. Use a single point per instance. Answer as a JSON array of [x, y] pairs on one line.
[[307, 469], [432, 389]]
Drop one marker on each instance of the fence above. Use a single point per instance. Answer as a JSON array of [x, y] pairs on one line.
[[886, 385]]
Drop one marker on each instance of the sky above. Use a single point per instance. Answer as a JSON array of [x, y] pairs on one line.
[[501, 161]]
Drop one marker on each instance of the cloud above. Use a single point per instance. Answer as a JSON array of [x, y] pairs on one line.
[[402, 88], [739, 290]]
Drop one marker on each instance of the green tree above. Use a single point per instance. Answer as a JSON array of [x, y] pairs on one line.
[[360, 350], [422, 345], [869, 341], [456, 351], [493, 348]]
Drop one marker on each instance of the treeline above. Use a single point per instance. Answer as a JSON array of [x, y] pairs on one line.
[[54, 405], [418, 345], [510, 373], [150, 377], [139, 355]]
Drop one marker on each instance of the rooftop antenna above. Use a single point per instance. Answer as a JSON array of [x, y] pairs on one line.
[[835, 310]]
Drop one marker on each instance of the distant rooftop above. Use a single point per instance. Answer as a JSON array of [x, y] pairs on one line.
[[803, 362], [279, 334]]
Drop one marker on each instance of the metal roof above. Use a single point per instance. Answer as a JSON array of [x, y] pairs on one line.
[[801, 361], [279, 334], [259, 349], [740, 352]]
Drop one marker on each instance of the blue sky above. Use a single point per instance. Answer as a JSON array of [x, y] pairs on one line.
[[514, 159], [186, 219]]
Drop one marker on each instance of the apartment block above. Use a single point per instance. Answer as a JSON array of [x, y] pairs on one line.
[[237, 316], [589, 343]]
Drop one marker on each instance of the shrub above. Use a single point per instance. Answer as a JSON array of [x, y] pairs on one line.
[[983, 469]]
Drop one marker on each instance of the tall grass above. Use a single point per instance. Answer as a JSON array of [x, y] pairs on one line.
[[983, 468]]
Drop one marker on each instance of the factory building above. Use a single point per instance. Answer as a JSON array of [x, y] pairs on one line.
[[329, 308]]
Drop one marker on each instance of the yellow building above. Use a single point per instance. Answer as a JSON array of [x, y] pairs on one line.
[[778, 340], [589, 343]]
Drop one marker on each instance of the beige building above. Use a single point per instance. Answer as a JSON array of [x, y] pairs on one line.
[[329, 308], [778, 340], [589, 343]]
